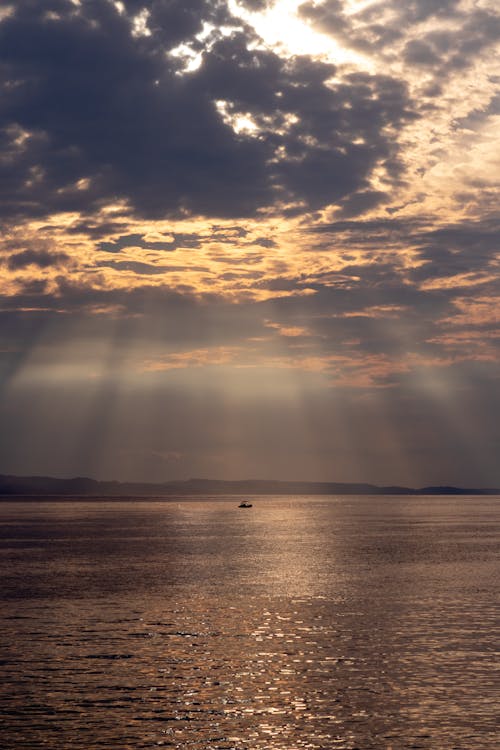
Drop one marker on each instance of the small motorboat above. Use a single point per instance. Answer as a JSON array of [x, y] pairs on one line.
[[244, 504]]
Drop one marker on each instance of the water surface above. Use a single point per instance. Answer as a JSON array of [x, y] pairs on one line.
[[343, 622]]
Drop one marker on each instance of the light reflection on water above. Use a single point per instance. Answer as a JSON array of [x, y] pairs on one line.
[[367, 623]]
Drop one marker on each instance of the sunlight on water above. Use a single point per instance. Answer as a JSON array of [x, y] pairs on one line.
[[348, 623]]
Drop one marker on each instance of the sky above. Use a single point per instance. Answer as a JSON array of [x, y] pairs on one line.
[[249, 239]]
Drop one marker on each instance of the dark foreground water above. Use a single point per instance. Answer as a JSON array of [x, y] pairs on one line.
[[348, 622]]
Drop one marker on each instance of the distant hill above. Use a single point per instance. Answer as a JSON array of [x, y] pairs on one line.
[[83, 486]]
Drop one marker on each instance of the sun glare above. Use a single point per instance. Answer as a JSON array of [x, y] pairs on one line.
[[281, 27]]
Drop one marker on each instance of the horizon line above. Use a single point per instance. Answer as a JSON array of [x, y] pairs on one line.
[[173, 483]]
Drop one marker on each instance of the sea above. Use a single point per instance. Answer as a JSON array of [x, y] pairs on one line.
[[349, 622]]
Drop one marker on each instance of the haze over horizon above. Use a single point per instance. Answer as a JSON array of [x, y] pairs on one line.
[[250, 239]]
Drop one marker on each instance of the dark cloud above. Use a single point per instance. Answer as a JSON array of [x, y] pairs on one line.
[[144, 269], [446, 250], [460, 249], [40, 258], [137, 240], [460, 260], [448, 51], [414, 11], [256, 5], [264, 242], [101, 105], [92, 112], [92, 228], [372, 304], [361, 202], [420, 52], [330, 137]]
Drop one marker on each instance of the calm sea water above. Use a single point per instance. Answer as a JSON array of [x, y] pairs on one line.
[[343, 622]]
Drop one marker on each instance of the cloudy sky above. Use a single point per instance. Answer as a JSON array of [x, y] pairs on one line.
[[250, 239]]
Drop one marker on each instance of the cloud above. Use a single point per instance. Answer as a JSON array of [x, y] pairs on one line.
[[360, 202], [462, 248], [40, 258], [437, 39], [214, 239], [95, 112], [139, 241]]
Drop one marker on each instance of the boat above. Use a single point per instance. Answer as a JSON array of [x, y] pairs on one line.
[[244, 504]]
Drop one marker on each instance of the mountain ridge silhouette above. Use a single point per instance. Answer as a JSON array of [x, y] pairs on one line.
[[13, 485]]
